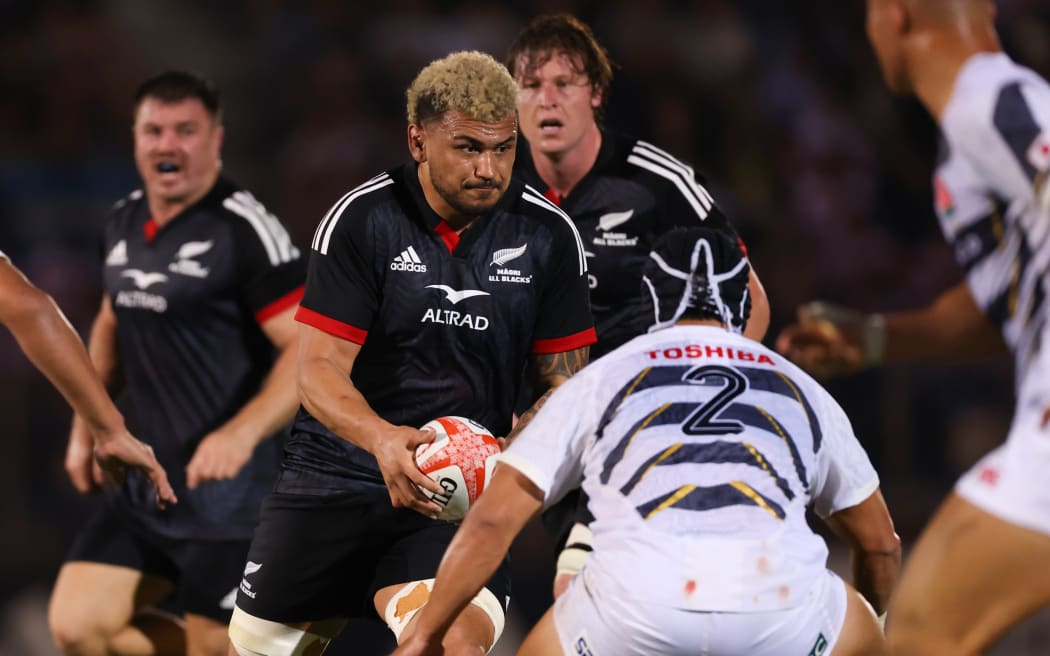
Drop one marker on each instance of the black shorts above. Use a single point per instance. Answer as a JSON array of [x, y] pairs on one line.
[[318, 558], [205, 574]]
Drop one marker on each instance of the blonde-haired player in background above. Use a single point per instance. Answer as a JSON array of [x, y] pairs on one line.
[[981, 563]]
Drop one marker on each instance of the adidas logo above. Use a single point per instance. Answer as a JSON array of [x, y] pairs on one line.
[[408, 260], [119, 255]]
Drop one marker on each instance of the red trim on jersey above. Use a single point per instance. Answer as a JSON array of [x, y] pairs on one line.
[[150, 229], [567, 343], [448, 235], [553, 196], [281, 304], [742, 245], [330, 325]]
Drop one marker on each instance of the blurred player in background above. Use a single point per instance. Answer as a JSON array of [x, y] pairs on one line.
[[201, 283], [980, 565], [621, 192], [700, 451], [430, 287], [51, 344]]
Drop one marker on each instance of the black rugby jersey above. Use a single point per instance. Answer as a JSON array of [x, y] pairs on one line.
[[634, 193], [446, 321], [189, 299]]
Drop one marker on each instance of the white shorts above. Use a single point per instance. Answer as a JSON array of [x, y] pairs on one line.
[[1011, 481], [592, 624]]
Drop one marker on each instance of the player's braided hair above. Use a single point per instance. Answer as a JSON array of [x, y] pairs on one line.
[[471, 83]]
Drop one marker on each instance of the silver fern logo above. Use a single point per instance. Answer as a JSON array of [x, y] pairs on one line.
[[185, 263], [607, 222], [504, 255]]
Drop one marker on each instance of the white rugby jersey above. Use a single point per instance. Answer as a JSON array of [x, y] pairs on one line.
[[701, 451], [991, 195]]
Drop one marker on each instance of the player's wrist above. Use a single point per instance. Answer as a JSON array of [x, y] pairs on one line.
[[867, 332], [106, 429], [873, 339]]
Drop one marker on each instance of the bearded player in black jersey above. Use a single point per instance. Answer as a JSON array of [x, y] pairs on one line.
[[621, 192], [430, 287], [201, 284]]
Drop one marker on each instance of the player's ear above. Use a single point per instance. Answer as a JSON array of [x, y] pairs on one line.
[[417, 142], [990, 7], [899, 16], [220, 135]]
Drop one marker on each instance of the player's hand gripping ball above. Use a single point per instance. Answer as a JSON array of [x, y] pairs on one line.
[[460, 460]]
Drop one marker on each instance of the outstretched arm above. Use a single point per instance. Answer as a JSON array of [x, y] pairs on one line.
[[950, 328], [83, 469], [51, 344], [473, 556]]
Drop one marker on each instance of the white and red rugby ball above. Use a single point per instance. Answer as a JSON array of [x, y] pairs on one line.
[[460, 460]]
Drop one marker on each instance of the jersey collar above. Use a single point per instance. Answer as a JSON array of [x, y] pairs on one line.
[[432, 221], [608, 153], [218, 192]]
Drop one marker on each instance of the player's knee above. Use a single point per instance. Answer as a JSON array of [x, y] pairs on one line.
[[71, 640], [213, 641], [465, 636], [73, 633], [252, 636]]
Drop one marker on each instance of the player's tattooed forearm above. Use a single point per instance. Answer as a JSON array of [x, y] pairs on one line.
[[551, 366], [551, 370], [527, 416]]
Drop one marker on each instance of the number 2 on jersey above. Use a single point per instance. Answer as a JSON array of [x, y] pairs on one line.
[[704, 420]]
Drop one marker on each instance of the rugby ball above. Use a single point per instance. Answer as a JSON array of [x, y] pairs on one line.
[[460, 460]]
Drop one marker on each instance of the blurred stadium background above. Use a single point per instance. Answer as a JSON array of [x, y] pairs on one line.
[[779, 104]]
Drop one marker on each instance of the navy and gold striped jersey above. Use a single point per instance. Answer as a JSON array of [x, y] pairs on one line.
[[446, 321], [992, 197], [700, 451], [189, 299], [634, 193]]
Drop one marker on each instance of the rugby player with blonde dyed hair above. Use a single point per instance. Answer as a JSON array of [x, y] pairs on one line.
[[980, 565], [409, 316]]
